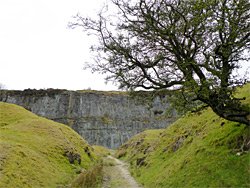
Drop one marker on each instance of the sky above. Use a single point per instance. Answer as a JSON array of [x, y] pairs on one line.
[[37, 49]]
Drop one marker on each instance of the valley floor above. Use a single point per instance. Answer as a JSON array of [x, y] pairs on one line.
[[116, 174]]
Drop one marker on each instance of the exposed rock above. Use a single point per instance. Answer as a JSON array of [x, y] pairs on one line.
[[241, 153], [73, 157], [102, 118], [87, 151], [141, 161], [178, 143]]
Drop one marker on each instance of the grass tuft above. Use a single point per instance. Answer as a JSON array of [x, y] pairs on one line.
[[89, 178]]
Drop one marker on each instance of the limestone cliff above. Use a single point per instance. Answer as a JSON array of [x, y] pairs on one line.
[[102, 118]]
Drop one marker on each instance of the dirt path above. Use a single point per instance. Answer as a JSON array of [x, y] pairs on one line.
[[116, 174]]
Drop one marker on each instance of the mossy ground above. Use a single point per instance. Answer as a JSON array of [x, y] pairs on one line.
[[34, 150], [198, 150]]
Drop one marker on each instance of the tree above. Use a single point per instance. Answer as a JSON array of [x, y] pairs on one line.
[[190, 45]]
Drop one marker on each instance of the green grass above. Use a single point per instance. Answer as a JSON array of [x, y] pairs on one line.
[[198, 150], [34, 150], [107, 93], [101, 151]]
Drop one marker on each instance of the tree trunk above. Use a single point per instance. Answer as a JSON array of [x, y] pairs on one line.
[[232, 115], [230, 109]]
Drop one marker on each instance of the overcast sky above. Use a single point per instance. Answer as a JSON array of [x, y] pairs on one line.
[[37, 50]]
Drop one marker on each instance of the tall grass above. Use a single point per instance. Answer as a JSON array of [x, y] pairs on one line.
[[91, 178]]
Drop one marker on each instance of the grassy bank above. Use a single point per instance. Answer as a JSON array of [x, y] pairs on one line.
[[36, 152], [198, 150]]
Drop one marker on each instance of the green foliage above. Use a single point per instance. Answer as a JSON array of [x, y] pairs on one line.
[[198, 150], [195, 46], [35, 151]]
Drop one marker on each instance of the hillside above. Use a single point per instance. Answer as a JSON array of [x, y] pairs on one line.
[[198, 150], [36, 152], [106, 118]]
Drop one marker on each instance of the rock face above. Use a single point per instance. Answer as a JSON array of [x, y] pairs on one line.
[[102, 118]]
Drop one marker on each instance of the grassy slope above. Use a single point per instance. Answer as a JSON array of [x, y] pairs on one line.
[[199, 150], [101, 151], [34, 150]]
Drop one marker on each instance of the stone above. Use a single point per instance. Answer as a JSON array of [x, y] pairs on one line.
[[103, 118], [141, 161]]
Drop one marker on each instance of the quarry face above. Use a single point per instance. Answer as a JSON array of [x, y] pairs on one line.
[[102, 118]]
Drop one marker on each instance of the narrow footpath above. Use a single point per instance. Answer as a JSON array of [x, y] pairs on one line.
[[116, 174]]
